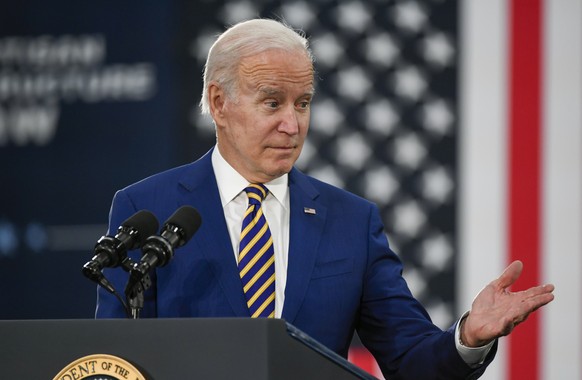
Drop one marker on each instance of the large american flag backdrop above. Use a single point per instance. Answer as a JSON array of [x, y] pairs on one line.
[[462, 121]]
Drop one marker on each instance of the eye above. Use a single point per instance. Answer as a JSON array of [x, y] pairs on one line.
[[272, 104], [304, 104]]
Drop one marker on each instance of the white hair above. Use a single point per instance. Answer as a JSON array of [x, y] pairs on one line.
[[243, 40]]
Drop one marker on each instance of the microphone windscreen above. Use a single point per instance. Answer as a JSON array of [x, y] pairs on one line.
[[144, 222], [186, 218]]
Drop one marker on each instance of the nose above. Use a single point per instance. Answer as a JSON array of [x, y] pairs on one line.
[[289, 123]]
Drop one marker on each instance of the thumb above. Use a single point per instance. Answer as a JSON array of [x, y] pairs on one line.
[[510, 274]]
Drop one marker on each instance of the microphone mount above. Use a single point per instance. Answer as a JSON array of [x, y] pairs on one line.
[[157, 252]]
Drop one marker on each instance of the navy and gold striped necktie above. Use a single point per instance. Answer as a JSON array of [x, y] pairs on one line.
[[256, 260]]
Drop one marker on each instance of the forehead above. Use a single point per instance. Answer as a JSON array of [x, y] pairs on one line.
[[277, 69]]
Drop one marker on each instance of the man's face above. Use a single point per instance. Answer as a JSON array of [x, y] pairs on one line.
[[261, 130]]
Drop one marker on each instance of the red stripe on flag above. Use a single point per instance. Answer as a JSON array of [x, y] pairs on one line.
[[361, 357], [525, 172]]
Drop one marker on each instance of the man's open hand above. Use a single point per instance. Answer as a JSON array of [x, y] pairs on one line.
[[496, 311]]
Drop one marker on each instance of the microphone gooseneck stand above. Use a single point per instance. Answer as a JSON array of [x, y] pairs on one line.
[[135, 297], [157, 251]]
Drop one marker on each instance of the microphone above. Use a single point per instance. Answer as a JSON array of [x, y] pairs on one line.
[[159, 250], [111, 251]]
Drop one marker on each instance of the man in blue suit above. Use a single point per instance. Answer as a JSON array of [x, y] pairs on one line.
[[334, 272]]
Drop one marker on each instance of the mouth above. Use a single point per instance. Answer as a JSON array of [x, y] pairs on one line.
[[283, 148]]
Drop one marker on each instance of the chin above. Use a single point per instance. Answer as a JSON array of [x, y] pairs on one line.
[[278, 172]]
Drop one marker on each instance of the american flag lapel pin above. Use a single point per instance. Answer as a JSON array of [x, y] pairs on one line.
[[309, 210]]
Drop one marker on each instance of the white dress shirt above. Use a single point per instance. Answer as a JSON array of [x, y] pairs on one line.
[[275, 207], [234, 201]]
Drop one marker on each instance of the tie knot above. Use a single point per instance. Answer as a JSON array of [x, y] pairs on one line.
[[256, 192]]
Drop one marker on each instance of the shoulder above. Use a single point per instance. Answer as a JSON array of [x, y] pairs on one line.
[[326, 193], [160, 193], [187, 175]]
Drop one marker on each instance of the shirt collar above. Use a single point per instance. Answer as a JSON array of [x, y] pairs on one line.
[[231, 183]]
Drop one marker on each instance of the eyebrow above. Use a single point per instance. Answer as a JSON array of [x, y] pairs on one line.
[[272, 91]]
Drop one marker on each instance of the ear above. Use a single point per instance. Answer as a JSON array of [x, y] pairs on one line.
[[216, 100]]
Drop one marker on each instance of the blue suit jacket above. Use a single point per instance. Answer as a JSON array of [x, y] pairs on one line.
[[342, 276]]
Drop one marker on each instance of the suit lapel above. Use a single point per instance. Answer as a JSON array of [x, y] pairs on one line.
[[199, 189], [305, 233]]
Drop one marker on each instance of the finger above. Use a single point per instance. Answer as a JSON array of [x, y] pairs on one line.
[[535, 291], [510, 275], [538, 301], [528, 306], [544, 301]]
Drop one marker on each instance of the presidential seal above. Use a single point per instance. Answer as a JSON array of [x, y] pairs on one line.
[[99, 367]]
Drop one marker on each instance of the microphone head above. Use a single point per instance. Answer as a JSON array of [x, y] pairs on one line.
[[143, 223], [187, 219]]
